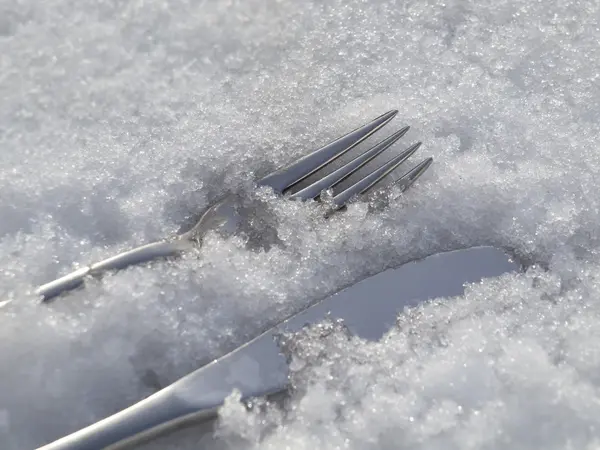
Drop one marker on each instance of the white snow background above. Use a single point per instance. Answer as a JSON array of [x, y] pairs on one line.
[[119, 121]]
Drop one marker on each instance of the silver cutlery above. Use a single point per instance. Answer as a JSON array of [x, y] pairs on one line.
[[259, 368], [225, 213]]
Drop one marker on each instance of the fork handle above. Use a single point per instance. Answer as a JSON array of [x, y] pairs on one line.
[[157, 414], [137, 255]]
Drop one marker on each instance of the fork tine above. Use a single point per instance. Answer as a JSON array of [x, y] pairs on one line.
[[374, 177], [407, 180], [327, 182], [303, 167]]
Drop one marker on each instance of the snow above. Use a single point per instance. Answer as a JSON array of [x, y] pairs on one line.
[[120, 121]]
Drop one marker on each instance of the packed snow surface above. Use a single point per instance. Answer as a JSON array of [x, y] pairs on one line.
[[121, 121]]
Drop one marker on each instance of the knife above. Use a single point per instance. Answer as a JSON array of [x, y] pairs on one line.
[[258, 368]]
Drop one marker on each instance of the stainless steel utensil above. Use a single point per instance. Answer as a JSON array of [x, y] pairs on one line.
[[224, 214], [258, 368]]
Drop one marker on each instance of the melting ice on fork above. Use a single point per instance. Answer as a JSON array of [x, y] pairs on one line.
[[283, 180]]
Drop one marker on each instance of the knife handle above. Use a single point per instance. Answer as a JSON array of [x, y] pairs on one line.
[[159, 413]]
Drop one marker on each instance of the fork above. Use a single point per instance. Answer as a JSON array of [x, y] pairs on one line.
[[225, 213]]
